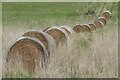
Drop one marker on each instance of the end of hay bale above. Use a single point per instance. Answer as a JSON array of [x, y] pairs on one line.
[[38, 35], [28, 53], [106, 14], [86, 27], [58, 34], [93, 27], [68, 30], [46, 39], [78, 28], [98, 24], [103, 20]]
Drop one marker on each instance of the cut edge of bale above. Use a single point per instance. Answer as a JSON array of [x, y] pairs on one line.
[[69, 30], [93, 26], [103, 20], [78, 28], [57, 38], [107, 14], [45, 38], [20, 45], [86, 27]]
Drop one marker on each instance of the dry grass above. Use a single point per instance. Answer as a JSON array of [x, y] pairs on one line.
[[89, 55]]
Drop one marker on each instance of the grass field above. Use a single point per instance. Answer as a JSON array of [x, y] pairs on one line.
[[0, 40], [91, 55]]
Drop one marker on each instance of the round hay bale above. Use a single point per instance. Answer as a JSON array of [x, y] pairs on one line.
[[86, 27], [45, 38], [68, 30], [103, 20], [27, 54], [58, 34], [93, 26], [78, 28], [98, 24], [106, 14]]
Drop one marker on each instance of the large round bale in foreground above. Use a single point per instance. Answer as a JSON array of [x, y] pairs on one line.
[[27, 54], [86, 27], [58, 34], [98, 24], [69, 30], [45, 38], [78, 28], [106, 14], [103, 20], [93, 26]]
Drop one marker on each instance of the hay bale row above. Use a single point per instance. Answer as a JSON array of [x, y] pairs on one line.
[[99, 23], [32, 50], [84, 28]]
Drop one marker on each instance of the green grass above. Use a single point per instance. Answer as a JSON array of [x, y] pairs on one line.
[[31, 14]]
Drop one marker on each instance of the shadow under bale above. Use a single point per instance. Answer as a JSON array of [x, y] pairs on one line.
[[27, 55], [45, 38], [86, 28], [58, 34], [93, 27], [78, 28]]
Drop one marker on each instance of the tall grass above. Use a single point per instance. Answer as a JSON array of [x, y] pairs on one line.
[[0, 40], [89, 55]]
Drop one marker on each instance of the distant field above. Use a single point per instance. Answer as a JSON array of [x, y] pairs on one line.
[[93, 54]]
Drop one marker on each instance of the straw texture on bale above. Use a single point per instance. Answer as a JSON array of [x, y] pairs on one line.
[[45, 38], [98, 24], [87, 28], [27, 54], [69, 30], [78, 28], [93, 27], [58, 34], [106, 14], [103, 20]]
